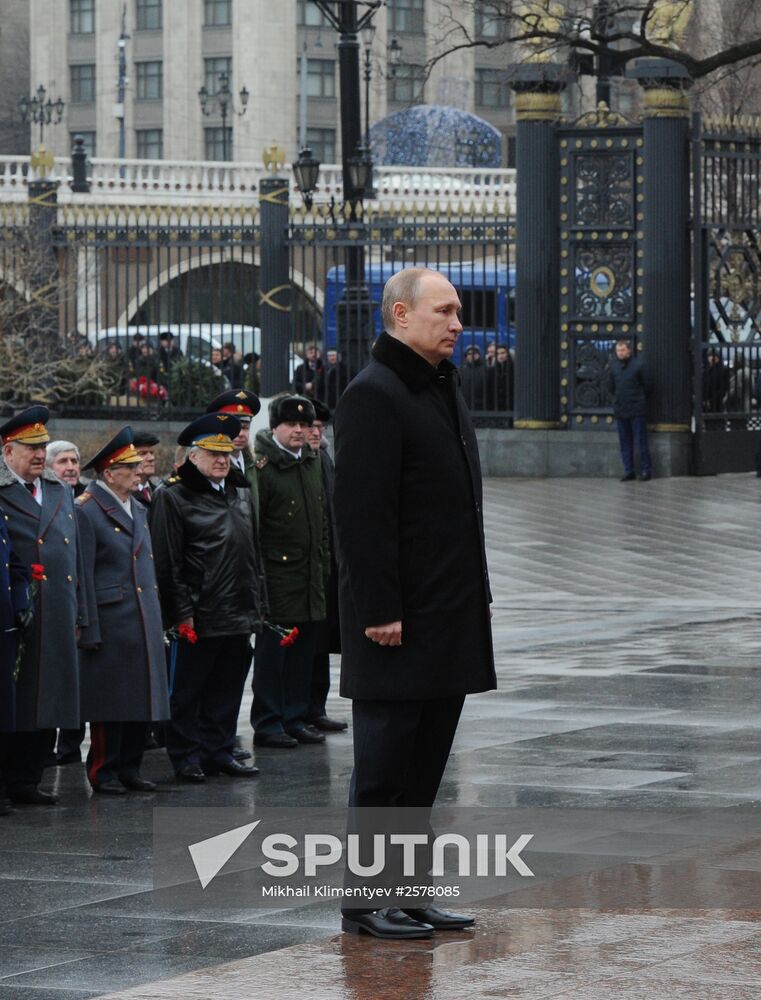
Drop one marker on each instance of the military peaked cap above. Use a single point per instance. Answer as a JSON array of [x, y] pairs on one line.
[[119, 451], [212, 432], [240, 402], [27, 427]]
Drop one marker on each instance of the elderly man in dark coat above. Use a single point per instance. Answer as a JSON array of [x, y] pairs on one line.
[[210, 580], [413, 581], [15, 618], [123, 667], [39, 515]]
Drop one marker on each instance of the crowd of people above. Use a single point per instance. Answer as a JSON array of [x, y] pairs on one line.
[[132, 603]]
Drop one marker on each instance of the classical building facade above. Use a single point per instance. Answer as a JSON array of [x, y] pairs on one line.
[[283, 53]]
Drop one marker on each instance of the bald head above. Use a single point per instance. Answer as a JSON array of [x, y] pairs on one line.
[[421, 308]]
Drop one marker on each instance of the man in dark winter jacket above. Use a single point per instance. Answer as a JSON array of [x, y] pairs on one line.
[[209, 576], [629, 385], [294, 530], [413, 588]]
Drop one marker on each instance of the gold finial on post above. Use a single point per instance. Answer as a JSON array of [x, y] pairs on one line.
[[274, 158]]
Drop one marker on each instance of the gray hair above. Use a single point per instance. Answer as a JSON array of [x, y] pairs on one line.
[[404, 286], [55, 448]]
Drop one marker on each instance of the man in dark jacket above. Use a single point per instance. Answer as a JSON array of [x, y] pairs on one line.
[[413, 582], [210, 581], [39, 514], [294, 531], [629, 385], [122, 664]]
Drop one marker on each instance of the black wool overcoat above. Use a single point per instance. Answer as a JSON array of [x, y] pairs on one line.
[[124, 678], [409, 530]]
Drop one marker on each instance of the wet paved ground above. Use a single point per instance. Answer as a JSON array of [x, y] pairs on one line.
[[627, 730]]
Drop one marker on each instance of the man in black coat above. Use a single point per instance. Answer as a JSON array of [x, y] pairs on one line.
[[210, 580], [629, 385], [413, 581]]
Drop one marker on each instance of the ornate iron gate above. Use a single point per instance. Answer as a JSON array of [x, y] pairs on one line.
[[601, 215], [727, 290]]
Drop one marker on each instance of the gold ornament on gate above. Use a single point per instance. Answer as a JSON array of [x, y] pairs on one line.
[[545, 18], [274, 158]]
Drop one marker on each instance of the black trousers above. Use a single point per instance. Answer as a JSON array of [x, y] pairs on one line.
[[206, 688], [320, 686], [116, 751], [282, 675], [70, 740], [401, 750], [24, 755]]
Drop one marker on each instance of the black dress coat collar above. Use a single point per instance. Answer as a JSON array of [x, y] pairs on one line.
[[411, 367]]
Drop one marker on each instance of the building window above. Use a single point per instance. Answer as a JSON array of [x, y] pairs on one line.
[[218, 143], [149, 81], [489, 22], [218, 13], [492, 89], [83, 84], [150, 144], [88, 142], [407, 84], [406, 15], [309, 16], [82, 17], [148, 15], [322, 142], [212, 68], [321, 78]]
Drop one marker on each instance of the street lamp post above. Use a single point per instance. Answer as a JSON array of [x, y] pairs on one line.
[[354, 311], [40, 112], [221, 102], [368, 33]]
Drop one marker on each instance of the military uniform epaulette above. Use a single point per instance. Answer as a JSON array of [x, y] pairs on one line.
[[261, 461], [83, 498], [170, 481]]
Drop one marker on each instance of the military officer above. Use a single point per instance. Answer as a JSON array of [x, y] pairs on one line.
[[123, 668], [15, 617], [210, 581], [145, 480], [244, 405], [293, 526], [39, 514]]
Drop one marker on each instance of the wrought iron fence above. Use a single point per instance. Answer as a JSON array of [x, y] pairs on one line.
[[153, 312]]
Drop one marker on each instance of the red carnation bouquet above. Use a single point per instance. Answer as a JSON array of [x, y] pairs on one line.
[[38, 575], [287, 635], [183, 632]]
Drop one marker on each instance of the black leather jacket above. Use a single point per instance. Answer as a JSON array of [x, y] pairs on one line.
[[207, 554]]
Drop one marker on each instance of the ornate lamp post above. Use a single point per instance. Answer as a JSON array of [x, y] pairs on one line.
[[40, 112], [354, 312], [221, 103]]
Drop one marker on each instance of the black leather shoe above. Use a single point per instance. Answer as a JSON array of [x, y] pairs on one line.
[[280, 741], [326, 725], [109, 788], [138, 784], [440, 920], [191, 772], [645, 477], [391, 923], [33, 797], [307, 735], [70, 757], [232, 767], [628, 477], [241, 754]]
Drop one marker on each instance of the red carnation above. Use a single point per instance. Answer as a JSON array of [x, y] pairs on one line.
[[38, 571], [188, 634]]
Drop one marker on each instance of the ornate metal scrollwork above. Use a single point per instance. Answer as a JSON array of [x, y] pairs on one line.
[[603, 281], [591, 359], [604, 193]]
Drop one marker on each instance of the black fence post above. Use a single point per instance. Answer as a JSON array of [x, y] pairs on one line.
[[666, 189], [42, 265], [274, 286], [79, 182], [537, 311]]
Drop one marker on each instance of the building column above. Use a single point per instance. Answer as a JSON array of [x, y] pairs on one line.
[[537, 307], [666, 189], [274, 285]]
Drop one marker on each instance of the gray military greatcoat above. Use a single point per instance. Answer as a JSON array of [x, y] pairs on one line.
[[123, 667], [47, 691]]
